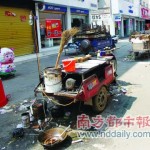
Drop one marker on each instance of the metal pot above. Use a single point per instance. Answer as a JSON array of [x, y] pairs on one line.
[[57, 134]]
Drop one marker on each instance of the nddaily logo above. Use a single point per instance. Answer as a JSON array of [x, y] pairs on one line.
[[113, 134]]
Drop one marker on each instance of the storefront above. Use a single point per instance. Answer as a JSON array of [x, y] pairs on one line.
[[81, 14], [53, 19], [102, 19], [15, 30], [117, 19], [125, 14], [145, 17]]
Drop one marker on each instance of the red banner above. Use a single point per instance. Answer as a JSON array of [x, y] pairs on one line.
[[53, 28]]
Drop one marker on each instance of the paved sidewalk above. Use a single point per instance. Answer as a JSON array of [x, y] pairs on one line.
[[29, 57]]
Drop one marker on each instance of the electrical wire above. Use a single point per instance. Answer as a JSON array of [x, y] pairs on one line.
[[57, 103]]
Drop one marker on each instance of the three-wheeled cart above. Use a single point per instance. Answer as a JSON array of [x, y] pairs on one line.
[[88, 83], [140, 44], [139, 47], [90, 40]]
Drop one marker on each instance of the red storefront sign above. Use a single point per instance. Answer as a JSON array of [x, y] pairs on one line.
[[23, 18], [145, 13], [53, 28], [8, 13]]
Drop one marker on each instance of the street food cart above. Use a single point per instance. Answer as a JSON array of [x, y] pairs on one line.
[[140, 44], [87, 82]]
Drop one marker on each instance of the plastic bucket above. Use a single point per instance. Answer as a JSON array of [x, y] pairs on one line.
[[69, 64], [52, 80]]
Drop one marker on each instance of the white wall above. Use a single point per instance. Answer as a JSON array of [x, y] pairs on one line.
[[138, 6], [104, 3], [115, 6], [86, 4], [112, 27], [123, 5]]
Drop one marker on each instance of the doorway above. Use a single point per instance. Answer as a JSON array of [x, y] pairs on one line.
[[125, 27]]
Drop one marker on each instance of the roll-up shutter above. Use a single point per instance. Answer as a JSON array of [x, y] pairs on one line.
[[15, 31]]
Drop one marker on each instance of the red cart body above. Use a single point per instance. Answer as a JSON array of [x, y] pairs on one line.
[[91, 80]]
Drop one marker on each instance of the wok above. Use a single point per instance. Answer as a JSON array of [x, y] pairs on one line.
[[52, 137]]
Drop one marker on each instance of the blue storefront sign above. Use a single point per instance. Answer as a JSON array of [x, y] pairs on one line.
[[79, 11], [117, 17], [54, 8]]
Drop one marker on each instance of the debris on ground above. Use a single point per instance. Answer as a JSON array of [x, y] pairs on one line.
[[18, 133], [19, 125], [67, 115], [77, 141], [129, 57], [3, 111], [18, 107], [117, 90]]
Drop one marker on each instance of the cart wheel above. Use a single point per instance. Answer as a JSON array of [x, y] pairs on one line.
[[100, 100]]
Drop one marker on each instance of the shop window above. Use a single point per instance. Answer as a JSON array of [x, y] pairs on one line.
[[79, 20], [46, 41]]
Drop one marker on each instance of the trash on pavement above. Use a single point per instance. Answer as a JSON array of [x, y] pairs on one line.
[[22, 107], [67, 115], [77, 141], [117, 90], [18, 133], [130, 57], [19, 125], [3, 111], [116, 100]]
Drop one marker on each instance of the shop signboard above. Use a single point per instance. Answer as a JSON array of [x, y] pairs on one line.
[[53, 28], [46, 7], [95, 16], [79, 11], [117, 17], [99, 18], [82, 4], [145, 13]]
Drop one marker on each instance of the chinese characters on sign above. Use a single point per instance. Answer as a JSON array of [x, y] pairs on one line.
[[23, 18], [96, 16], [84, 122], [8, 13], [53, 28], [145, 13]]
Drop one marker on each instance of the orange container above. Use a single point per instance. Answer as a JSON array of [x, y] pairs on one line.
[[69, 64], [3, 98]]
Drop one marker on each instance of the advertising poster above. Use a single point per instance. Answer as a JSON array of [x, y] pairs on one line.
[[53, 28]]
